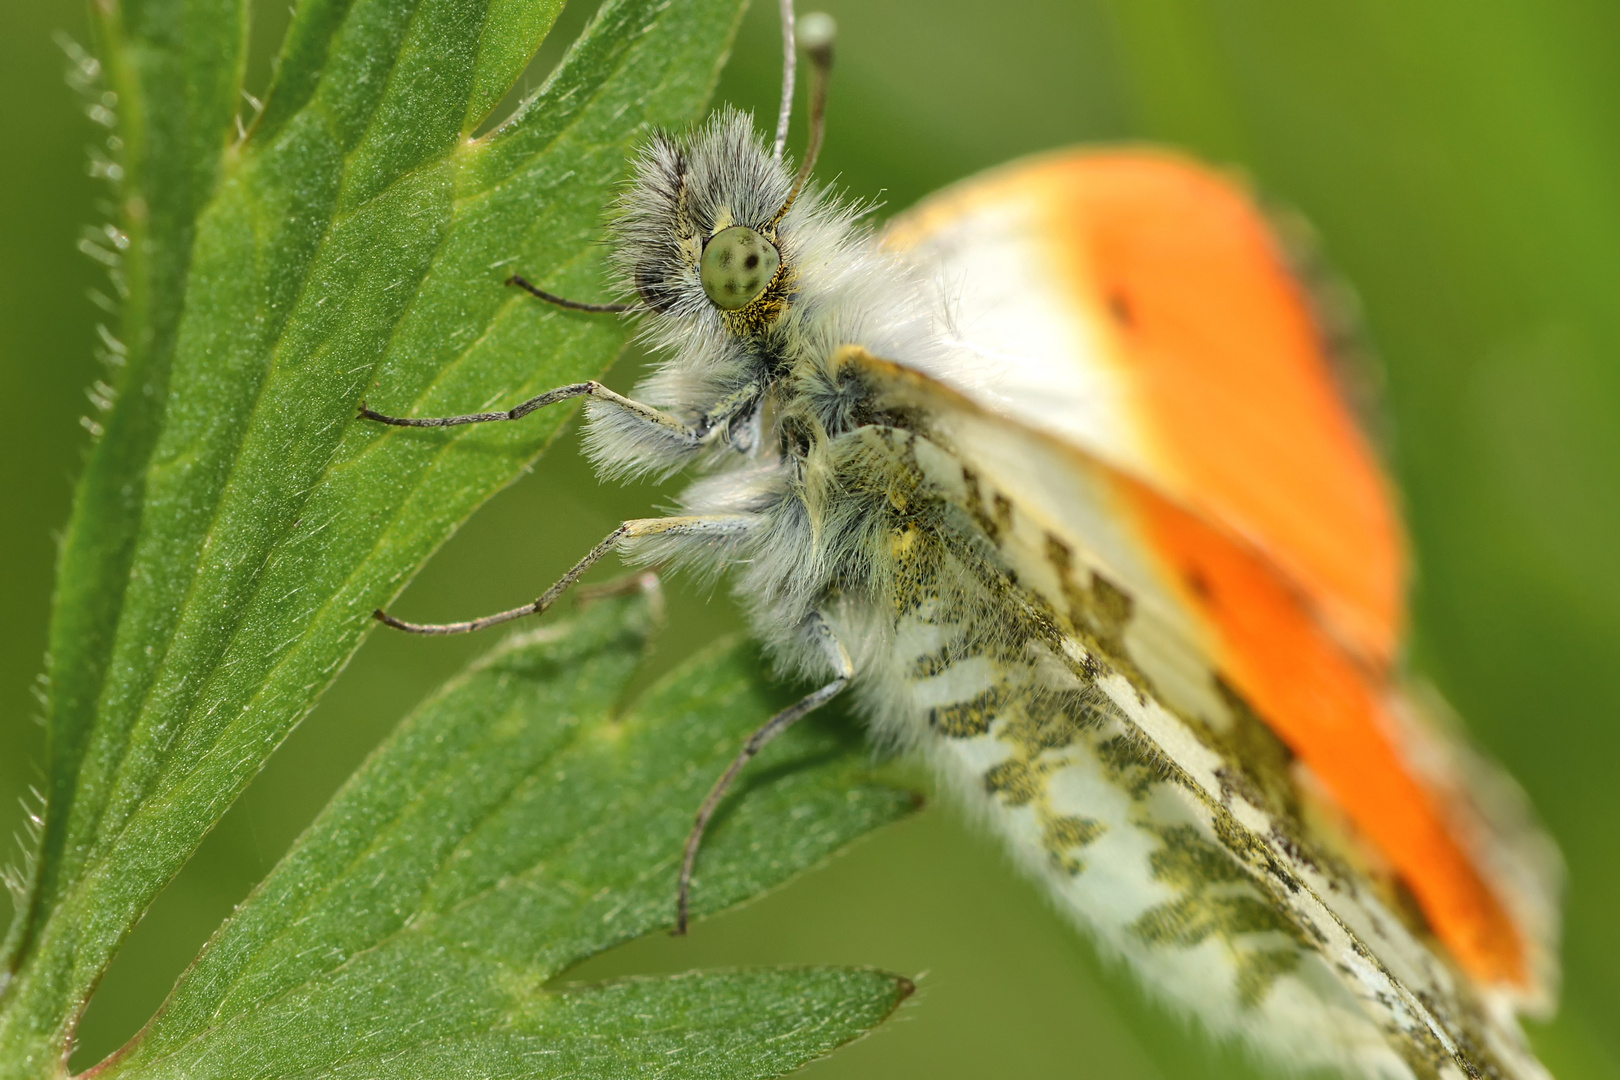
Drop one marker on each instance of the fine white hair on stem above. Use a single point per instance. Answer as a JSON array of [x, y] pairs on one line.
[[789, 62]]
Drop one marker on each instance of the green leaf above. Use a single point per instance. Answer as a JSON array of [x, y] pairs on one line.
[[510, 828], [234, 525]]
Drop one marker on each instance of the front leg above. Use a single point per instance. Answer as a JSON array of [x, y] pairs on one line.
[[664, 421]]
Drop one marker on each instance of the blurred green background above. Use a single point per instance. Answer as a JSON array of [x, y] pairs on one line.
[[1461, 162]]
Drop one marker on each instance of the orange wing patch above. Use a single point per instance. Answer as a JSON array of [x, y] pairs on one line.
[[1229, 370], [1228, 365], [1250, 479]]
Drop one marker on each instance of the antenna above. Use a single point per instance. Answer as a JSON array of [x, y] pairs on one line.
[[816, 33], [789, 62]]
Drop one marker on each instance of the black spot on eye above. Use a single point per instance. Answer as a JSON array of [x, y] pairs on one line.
[[752, 262], [1198, 583], [1120, 307]]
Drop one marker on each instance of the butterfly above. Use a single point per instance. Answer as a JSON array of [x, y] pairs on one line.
[[1054, 477]]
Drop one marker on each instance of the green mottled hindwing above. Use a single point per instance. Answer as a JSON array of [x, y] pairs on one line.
[[1036, 667]]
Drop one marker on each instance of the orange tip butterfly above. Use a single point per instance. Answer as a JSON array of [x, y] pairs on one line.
[[1054, 478]]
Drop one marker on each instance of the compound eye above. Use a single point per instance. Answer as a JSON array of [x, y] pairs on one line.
[[737, 265]]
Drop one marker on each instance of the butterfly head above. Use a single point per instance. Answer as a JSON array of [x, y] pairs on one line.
[[700, 234], [705, 232]]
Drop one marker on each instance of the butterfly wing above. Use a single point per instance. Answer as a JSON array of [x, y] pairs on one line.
[[1173, 821], [1136, 306], [1151, 426]]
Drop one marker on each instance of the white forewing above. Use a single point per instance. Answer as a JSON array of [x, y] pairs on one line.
[[1017, 343]]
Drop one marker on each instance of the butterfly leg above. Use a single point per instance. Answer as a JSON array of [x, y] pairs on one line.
[[591, 389], [637, 529], [757, 742]]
